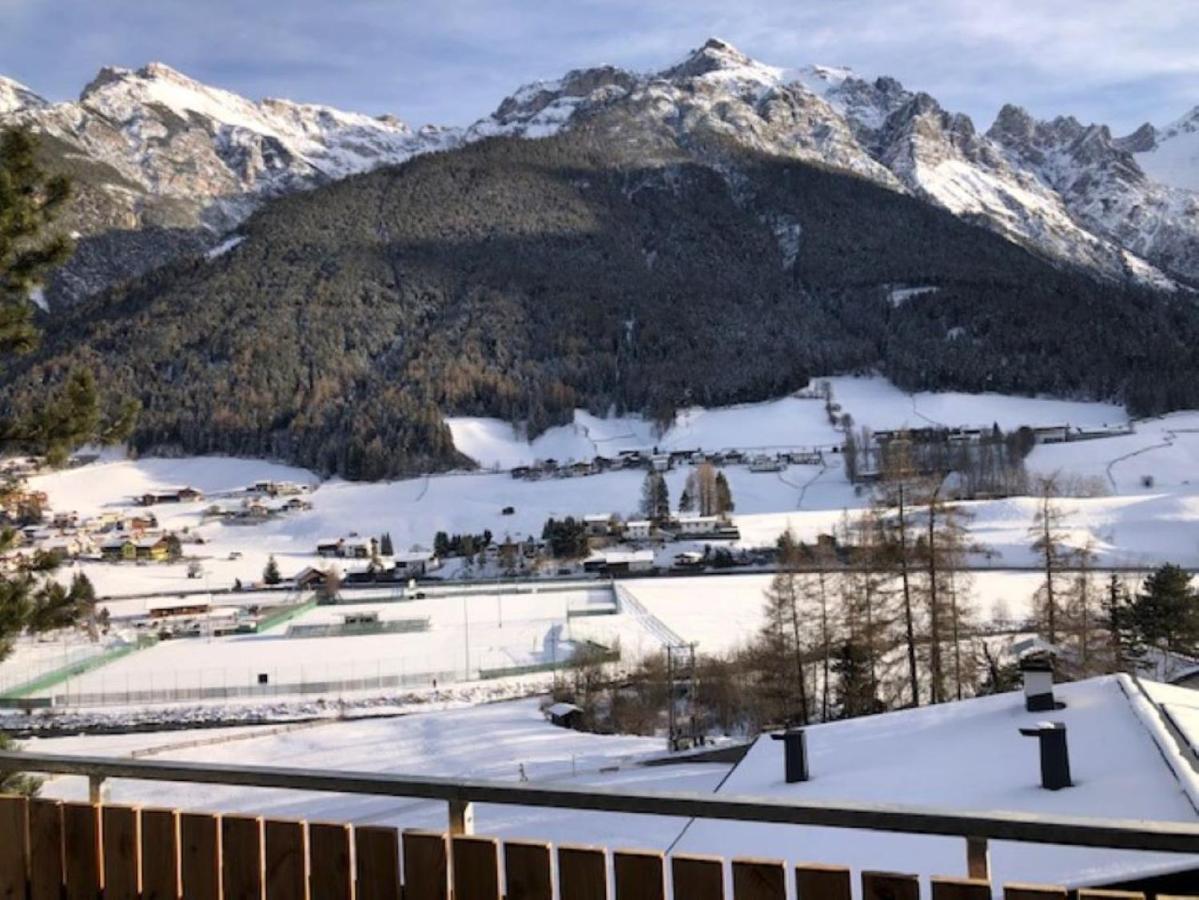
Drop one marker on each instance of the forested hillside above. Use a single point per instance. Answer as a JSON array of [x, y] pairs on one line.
[[524, 278]]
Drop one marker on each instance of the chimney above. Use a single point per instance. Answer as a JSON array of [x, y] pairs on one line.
[[795, 754], [1055, 758], [1037, 671]]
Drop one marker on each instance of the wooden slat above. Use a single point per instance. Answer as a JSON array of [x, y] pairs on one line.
[[200, 856], [527, 873], [332, 877], [889, 886], [814, 881], [961, 889], [14, 848], [638, 875], [1095, 894], [81, 850], [160, 854], [122, 853], [697, 877], [284, 861], [582, 873], [758, 879], [45, 850], [426, 866], [476, 866], [241, 858], [1017, 891], [377, 862]]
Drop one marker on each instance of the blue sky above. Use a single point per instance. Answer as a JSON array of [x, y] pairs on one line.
[[452, 61]]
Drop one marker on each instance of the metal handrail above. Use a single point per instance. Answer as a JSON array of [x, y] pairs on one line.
[[1121, 834]]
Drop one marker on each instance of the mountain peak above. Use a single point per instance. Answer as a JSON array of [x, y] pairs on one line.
[[715, 55], [14, 96]]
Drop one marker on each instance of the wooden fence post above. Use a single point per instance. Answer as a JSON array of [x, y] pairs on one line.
[[81, 850], [241, 857], [332, 876], [759, 879], [462, 817], [285, 860], [638, 876], [122, 853], [978, 859], [476, 867], [961, 889], [14, 851], [377, 862], [426, 869], [527, 874], [1033, 892], [160, 854], [200, 856], [582, 873], [45, 850], [823, 882], [697, 877], [889, 886]]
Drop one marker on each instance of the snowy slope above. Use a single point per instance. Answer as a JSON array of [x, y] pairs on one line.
[[1174, 157]]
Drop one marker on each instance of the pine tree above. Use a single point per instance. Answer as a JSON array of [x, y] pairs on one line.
[[29, 201], [270, 574], [1165, 612], [855, 694], [655, 497], [386, 548]]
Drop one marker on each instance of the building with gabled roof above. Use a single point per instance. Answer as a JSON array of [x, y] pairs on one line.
[[1132, 750]]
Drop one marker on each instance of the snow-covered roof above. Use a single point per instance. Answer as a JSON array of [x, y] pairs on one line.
[[624, 556], [970, 756]]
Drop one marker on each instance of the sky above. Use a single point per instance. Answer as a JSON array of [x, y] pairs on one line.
[[452, 61]]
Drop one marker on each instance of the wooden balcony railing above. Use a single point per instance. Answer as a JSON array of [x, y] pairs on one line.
[[83, 851]]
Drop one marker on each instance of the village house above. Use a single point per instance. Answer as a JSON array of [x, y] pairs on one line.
[[599, 524], [638, 530], [350, 547], [620, 562], [118, 548], [692, 526], [154, 548], [170, 495], [415, 563]]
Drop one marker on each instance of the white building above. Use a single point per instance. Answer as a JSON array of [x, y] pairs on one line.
[[693, 525], [638, 529]]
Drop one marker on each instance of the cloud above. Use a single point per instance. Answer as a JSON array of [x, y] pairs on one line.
[[453, 60]]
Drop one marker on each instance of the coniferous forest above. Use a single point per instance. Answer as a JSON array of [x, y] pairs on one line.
[[522, 279]]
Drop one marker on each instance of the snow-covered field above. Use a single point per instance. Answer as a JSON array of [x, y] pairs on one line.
[[493, 741], [468, 634], [1150, 515]]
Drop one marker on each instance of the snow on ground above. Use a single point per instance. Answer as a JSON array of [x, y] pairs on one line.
[[967, 756], [722, 613], [787, 422], [466, 634], [875, 402], [493, 741]]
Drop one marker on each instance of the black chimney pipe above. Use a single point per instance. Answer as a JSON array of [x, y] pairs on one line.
[[795, 754], [1055, 758]]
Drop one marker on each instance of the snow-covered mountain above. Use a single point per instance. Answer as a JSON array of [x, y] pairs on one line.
[[1047, 187], [165, 164], [211, 151]]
